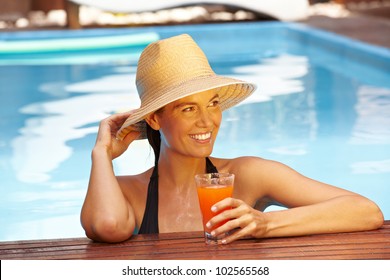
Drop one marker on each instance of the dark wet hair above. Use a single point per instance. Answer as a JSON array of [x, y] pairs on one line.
[[154, 139]]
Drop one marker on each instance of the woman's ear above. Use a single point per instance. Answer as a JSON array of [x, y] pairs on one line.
[[153, 121]]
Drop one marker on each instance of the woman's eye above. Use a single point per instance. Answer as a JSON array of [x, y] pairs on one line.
[[214, 103], [188, 109]]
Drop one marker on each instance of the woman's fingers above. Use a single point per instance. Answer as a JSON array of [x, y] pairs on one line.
[[112, 123], [235, 235], [116, 121], [231, 209], [231, 214], [226, 203], [242, 220], [108, 129], [237, 228], [131, 136]]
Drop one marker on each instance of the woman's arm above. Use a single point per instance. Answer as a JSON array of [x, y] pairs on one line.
[[314, 207], [106, 214]]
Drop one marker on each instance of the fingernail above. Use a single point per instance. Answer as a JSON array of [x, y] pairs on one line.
[[223, 241], [214, 209], [208, 225]]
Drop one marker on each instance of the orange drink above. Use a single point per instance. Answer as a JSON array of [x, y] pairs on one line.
[[212, 188], [208, 196]]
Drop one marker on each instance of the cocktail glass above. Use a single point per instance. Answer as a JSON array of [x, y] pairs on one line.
[[212, 188]]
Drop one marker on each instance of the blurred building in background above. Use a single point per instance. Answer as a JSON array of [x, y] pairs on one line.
[[76, 14]]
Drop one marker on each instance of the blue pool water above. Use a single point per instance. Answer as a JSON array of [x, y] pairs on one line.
[[322, 107]]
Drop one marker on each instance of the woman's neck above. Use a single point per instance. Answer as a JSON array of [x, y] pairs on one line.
[[179, 171]]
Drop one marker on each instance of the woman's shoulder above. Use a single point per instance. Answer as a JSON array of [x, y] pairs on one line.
[[240, 164], [251, 176], [137, 181]]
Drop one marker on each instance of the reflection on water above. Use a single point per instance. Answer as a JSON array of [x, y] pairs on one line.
[[275, 76], [372, 127], [373, 116], [57, 122]]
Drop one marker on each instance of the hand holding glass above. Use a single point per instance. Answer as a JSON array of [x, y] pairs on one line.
[[212, 188]]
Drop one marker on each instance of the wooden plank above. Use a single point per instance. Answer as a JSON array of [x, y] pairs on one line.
[[176, 246], [190, 245], [225, 252]]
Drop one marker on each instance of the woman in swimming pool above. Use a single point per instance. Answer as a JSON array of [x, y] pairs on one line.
[[182, 100]]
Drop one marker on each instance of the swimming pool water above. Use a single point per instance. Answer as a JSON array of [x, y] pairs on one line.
[[322, 107]]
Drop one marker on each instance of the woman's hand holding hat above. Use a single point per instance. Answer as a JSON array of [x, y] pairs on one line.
[[107, 138]]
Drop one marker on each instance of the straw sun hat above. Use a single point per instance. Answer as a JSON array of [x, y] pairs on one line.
[[174, 68]]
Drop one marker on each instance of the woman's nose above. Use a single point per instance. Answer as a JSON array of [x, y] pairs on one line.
[[205, 118]]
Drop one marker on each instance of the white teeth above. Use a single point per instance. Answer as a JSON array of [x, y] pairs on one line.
[[201, 136]]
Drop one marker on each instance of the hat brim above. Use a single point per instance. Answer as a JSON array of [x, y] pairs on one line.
[[231, 92]]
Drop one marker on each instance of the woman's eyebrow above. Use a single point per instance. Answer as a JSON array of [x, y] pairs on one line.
[[214, 97], [182, 104]]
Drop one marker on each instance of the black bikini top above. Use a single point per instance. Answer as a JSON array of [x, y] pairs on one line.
[[150, 219]]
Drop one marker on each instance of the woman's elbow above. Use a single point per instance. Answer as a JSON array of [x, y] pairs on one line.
[[374, 217], [378, 220], [109, 230]]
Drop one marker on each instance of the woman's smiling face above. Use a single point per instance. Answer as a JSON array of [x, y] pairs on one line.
[[189, 126]]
